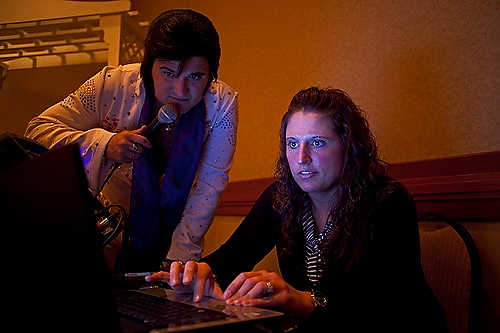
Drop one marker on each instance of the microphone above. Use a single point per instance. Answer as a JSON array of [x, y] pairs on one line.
[[167, 114]]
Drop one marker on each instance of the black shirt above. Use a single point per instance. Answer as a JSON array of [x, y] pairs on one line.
[[384, 289]]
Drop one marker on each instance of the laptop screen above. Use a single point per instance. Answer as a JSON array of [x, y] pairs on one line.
[[54, 273]]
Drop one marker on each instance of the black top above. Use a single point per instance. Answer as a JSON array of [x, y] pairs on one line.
[[385, 289]]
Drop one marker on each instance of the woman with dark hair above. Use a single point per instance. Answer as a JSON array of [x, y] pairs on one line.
[[169, 179], [346, 234]]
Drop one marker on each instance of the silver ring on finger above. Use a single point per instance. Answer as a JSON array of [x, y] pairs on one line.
[[135, 148]]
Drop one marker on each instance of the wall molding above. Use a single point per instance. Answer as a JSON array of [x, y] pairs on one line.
[[465, 187]]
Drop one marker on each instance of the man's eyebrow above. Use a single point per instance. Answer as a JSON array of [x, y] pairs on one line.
[[167, 67]]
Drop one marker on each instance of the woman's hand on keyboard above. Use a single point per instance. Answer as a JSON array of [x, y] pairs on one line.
[[191, 277]]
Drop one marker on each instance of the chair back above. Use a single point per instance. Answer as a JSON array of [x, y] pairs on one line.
[[450, 261]]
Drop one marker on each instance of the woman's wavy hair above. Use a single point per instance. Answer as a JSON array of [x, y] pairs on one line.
[[361, 168], [179, 34]]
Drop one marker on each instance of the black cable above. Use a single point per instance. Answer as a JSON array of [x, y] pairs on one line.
[[108, 176]]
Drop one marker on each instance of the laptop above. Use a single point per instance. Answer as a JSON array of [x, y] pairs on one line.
[[55, 278]]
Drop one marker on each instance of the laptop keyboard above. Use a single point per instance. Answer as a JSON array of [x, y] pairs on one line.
[[158, 312]]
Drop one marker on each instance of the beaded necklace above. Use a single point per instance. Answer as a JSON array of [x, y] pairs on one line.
[[313, 256]]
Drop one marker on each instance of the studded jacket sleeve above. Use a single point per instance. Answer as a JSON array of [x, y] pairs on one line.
[[90, 116], [212, 175]]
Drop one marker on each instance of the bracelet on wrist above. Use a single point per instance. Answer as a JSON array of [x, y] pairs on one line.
[[319, 300]]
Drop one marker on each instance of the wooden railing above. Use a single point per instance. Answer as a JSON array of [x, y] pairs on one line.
[[465, 187]]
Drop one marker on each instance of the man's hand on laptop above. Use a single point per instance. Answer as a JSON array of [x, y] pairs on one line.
[[191, 277]]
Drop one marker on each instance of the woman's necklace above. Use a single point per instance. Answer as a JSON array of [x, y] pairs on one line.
[[322, 217]]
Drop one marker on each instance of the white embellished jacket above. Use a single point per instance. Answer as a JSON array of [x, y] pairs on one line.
[[111, 101]]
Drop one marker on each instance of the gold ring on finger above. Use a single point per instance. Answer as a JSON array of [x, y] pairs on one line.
[[269, 288]]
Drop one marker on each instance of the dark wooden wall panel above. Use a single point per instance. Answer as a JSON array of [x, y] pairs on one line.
[[465, 187]]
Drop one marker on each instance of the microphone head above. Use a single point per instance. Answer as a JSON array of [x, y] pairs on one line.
[[168, 113]]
